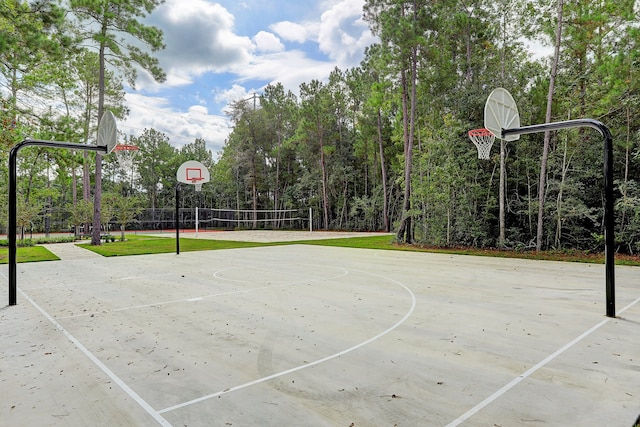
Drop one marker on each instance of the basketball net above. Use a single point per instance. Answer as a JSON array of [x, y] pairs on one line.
[[483, 140], [125, 153], [197, 184]]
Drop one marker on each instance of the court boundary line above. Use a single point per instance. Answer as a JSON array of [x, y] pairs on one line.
[[461, 419], [314, 363], [486, 402], [128, 390]]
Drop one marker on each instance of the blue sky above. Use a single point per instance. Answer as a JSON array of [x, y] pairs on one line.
[[218, 52]]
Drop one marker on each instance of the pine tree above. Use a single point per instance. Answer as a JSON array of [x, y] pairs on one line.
[[108, 23]]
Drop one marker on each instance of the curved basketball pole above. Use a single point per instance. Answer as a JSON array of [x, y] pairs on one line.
[[13, 210], [609, 219]]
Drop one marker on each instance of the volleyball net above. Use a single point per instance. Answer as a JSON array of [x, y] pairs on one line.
[[250, 218], [225, 219]]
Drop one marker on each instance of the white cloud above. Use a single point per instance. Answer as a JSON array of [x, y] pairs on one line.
[[180, 127], [343, 34], [199, 37], [233, 94], [290, 31], [267, 42], [299, 68], [198, 109], [213, 65]]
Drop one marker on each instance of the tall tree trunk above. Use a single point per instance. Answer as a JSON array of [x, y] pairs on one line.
[[503, 155], [74, 188], [547, 135], [97, 194], [86, 178], [405, 222], [469, 12], [254, 194], [627, 159], [276, 192], [323, 170], [385, 196], [405, 232], [86, 181], [565, 170]]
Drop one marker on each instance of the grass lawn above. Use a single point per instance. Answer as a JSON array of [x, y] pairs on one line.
[[138, 245], [28, 254], [143, 245], [387, 243]]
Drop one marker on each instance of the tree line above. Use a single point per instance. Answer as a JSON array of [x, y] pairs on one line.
[[384, 146]]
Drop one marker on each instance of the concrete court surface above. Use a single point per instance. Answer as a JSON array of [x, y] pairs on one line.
[[318, 336]]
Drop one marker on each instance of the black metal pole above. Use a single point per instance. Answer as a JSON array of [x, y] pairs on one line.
[[178, 219], [13, 197], [609, 196], [13, 155]]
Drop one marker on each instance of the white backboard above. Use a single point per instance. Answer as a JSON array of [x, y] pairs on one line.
[[501, 112], [107, 131], [193, 172]]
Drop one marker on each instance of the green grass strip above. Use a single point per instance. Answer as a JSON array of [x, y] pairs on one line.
[[388, 243], [141, 245], [146, 245], [372, 242], [28, 254]]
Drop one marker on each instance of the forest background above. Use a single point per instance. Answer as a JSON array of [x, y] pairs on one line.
[[382, 146]]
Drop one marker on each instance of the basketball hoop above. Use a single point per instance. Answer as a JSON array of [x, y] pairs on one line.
[[483, 140], [125, 154], [196, 182], [126, 147]]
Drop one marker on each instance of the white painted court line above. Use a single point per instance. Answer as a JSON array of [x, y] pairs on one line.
[[96, 282], [155, 414], [217, 273], [199, 298], [532, 370], [160, 304], [307, 365]]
